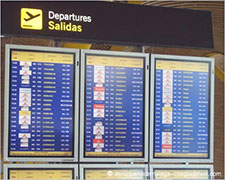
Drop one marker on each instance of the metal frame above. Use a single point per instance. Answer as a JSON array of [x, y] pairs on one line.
[[211, 118], [113, 166], [82, 103], [179, 166], [76, 96], [39, 166]]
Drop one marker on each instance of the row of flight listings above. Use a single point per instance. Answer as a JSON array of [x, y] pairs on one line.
[[106, 172], [127, 106]]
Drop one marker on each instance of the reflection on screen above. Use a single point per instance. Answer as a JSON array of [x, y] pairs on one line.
[[181, 174], [40, 174], [114, 106], [115, 174]]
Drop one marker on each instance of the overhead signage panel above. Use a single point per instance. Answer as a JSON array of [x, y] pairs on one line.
[[106, 22]]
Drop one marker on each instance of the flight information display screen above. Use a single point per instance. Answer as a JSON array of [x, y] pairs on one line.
[[113, 174], [41, 104], [40, 174], [181, 174], [181, 109], [114, 106]]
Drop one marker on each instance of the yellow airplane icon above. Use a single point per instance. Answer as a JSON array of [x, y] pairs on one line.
[[31, 18]]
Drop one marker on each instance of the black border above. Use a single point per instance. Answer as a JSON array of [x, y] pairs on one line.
[[110, 169], [187, 169], [84, 105], [36, 169], [9, 99], [209, 108]]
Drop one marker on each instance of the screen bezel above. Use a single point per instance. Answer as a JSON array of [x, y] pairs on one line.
[[145, 58], [210, 61], [73, 167], [180, 167], [112, 167], [9, 49]]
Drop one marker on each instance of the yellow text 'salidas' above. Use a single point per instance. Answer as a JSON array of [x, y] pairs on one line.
[[64, 26], [59, 21]]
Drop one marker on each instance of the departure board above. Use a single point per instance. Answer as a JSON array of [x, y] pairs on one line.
[[114, 106], [40, 174], [113, 174], [181, 109], [161, 174], [41, 103]]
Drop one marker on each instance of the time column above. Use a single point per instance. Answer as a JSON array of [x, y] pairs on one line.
[[14, 110], [89, 104], [158, 109]]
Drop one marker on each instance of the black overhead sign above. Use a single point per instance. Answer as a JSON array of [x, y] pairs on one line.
[[108, 22]]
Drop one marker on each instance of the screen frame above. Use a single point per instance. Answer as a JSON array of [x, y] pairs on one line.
[[112, 166], [145, 57], [75, 52], [180, 166], [7, 167], [154, 57]]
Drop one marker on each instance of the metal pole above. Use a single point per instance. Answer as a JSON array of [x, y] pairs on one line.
[[143, 49], [57, 43]]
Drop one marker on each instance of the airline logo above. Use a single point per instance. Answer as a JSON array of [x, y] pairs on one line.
[[99, 110], [31, 18]]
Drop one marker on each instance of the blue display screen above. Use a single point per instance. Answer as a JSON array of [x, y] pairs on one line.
[[181, 109], [41, 114], [114, 106]]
